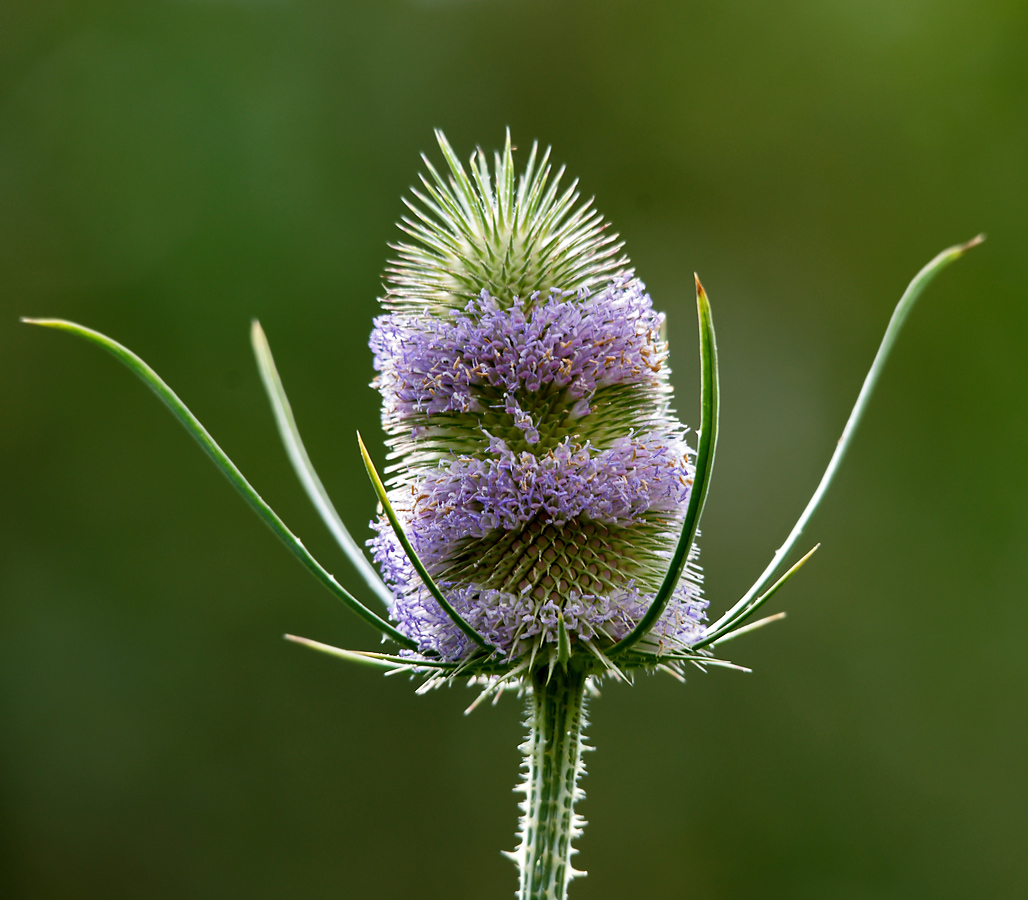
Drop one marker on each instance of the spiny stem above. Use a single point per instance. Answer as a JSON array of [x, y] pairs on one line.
[[553, 765]]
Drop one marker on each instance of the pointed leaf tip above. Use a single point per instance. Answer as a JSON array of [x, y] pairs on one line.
[[974, 242]]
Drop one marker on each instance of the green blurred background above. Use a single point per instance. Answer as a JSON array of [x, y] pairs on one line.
[[169, 170]]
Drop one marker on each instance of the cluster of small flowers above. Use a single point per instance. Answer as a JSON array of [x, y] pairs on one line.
[[472, 497], [512, 621], [571, 340]]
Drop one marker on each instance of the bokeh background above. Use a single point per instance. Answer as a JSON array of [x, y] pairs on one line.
[[170, 169]]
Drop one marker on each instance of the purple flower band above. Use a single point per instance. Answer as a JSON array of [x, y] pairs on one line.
[[431, 365]]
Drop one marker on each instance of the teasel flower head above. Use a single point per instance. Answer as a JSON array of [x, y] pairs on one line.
[[538, 469], [538, 526]]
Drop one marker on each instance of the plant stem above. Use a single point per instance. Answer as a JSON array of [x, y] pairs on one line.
[[553, 765]]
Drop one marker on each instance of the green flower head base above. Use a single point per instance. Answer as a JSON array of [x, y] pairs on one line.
[[541, 475]]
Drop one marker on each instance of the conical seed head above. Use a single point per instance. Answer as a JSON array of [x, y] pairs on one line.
[[476, 229], [539, 471]]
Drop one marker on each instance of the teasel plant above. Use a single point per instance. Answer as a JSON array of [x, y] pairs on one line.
[[539, 512]]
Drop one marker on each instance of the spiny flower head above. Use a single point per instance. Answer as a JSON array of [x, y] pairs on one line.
[[539, 471], [543, 500]]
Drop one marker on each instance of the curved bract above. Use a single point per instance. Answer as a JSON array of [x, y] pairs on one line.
[[727, 624], [228, 468]]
